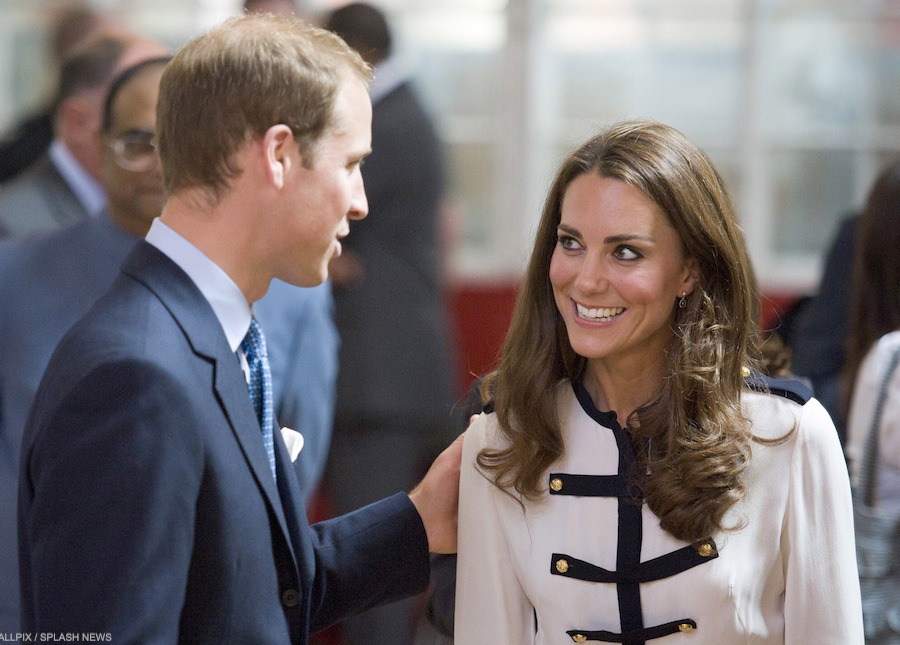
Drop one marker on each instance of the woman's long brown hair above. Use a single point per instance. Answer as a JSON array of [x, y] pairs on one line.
[[875, 303], [693, 439]]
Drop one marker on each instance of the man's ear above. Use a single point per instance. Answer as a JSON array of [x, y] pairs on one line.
[[75, 121], [278, 143]]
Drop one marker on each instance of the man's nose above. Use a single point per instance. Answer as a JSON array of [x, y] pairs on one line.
[[359, 205]]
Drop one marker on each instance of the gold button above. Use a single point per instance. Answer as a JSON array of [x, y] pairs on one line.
[[745, 372], [556, 484], [562, 566], [579, 638], [705, 549], [685, 627]]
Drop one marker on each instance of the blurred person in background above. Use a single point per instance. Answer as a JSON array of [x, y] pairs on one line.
[[872, 385], [29, 139], [64, 185], [394, 401], [875, 334], [818, 340]]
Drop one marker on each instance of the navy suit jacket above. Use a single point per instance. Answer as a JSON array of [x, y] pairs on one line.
[[819, 341], [147, 509], [48, 282], [37, 201]]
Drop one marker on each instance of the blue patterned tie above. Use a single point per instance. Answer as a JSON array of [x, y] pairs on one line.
[[254, 346]]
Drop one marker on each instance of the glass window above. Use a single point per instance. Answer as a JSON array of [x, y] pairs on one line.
[[796, 101]]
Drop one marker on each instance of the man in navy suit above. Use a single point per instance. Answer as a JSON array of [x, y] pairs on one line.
[[150, 507], [50, 281]]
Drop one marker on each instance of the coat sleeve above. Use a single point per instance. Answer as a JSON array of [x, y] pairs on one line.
[[491, 605], [366, 558], [114, 469], [821, 600]]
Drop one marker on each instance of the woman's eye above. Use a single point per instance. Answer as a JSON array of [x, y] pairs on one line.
[[627, 253], [569, 243]]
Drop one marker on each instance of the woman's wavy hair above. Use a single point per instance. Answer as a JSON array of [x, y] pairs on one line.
[[875, 304], [693, 439]]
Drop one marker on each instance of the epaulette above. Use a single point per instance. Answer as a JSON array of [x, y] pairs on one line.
[[790, 388]]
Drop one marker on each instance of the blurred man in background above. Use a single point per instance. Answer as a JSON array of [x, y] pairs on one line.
[[63, 186], [29, 139], [395, 396]]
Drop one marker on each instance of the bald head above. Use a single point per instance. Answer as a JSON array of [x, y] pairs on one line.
[[131, 172]]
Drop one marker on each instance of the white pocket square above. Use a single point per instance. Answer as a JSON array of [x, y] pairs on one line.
[[294, 442]]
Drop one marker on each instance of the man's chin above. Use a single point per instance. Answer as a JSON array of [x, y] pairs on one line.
[[307, 278]]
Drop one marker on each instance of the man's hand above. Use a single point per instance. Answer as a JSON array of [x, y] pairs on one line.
[[437, 499]]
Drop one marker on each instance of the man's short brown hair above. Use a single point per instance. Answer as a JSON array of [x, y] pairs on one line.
[[234, 83]]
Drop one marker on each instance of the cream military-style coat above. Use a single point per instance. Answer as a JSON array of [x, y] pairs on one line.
[[584, 563]]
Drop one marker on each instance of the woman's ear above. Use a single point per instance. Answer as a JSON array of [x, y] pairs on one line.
[[278, 143], [692, 276]]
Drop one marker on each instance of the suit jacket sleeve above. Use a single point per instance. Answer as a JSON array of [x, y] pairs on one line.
[[366, 558], [114, 458]]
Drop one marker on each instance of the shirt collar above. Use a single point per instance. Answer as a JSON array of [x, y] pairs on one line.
[[224, 296], [86, 189], [387, 76]]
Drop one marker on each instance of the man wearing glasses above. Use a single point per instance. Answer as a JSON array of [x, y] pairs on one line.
[[65, 185]]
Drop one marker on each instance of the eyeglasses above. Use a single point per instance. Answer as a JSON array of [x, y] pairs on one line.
[[134, 151]]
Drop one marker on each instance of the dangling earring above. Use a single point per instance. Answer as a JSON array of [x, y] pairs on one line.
[[682, 303]]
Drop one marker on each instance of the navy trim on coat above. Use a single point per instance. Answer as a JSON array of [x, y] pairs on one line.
[[630, 572]]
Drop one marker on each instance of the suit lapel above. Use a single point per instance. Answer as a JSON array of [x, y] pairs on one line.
[[197, 320], [67, 208]]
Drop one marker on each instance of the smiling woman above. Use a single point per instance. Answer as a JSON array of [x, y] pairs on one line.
[[616, 272], [617, 447]]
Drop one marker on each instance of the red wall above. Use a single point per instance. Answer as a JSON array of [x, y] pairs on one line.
[[480, 316]]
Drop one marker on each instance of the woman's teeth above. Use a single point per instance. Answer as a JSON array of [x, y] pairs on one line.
[[601, 314]]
